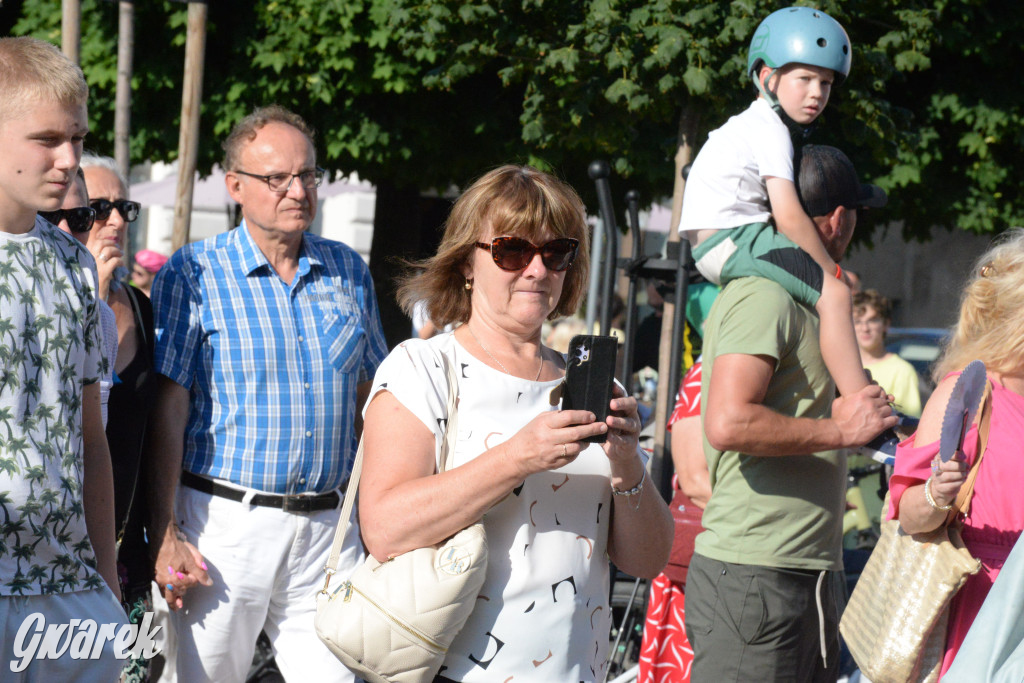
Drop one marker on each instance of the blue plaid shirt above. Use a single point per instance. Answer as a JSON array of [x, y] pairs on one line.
[[271, 368]]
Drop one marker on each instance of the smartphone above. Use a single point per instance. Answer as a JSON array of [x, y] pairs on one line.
[[589, 375]]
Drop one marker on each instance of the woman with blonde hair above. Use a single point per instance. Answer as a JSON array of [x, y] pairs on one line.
[[555, 508], [990, 329]]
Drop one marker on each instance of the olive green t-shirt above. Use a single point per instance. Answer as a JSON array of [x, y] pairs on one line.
[[773, 511]]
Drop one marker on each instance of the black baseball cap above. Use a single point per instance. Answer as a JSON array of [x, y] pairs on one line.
[[827, 179]]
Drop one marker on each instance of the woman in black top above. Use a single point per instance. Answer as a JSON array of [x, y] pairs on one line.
[[132, 393]]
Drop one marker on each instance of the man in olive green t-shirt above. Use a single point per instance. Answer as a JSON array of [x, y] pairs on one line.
[[764, 586]]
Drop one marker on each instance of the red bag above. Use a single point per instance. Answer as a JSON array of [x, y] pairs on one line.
[[687, 521]]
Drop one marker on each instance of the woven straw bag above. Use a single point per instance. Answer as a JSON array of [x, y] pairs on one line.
[[895, 622]]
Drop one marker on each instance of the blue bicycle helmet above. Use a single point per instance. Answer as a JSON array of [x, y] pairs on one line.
[[800, 35]]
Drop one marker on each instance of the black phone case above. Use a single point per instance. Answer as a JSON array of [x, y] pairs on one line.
[[589, 375]]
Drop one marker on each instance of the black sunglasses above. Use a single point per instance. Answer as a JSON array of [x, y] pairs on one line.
[[128, 209], [79, 220], [515, 253]]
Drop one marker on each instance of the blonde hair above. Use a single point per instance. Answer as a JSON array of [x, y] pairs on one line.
[[991, 324], [32, 70], [511, 200], [245, 131]]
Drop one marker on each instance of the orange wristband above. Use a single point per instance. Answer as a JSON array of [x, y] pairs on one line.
[[839, 272]]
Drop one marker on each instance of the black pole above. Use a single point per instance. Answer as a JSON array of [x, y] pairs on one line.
[[633, 214], [599, 171], [676, 357]]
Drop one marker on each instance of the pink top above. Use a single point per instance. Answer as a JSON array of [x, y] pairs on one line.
[[996, 517]]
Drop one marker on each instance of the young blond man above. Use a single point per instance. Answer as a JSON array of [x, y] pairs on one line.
[[56, 490], [741, 211]]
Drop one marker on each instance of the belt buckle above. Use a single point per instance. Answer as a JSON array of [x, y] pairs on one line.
[[296, 503]]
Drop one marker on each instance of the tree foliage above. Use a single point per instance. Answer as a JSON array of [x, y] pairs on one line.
[[430, 93]]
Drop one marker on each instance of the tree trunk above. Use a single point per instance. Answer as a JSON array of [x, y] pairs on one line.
[[71, 30], [406, 227], [188, 139], [123, 105], [661, 467]]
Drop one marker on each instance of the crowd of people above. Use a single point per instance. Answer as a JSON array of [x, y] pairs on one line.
[[193, 421]]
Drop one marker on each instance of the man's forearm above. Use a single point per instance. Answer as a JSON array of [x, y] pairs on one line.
[[165, 439], [736, 419], [757, 430]]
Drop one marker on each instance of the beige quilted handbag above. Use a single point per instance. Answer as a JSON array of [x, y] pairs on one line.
[[392, 622]]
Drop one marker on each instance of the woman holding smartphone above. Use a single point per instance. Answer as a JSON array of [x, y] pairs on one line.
[[555, 508]]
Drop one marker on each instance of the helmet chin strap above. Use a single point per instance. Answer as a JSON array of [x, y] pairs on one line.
[[798, 131]]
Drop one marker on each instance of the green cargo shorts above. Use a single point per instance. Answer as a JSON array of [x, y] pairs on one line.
[[751, 623]]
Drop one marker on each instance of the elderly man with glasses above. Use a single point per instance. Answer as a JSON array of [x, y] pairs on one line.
[[267, 340]]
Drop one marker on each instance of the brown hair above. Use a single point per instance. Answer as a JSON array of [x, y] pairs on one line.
[[871, 297], [991, 323], [246, 129], [511, 200], [32, 70]]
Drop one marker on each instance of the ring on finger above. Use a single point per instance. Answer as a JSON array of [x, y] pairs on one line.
[[564, 453]]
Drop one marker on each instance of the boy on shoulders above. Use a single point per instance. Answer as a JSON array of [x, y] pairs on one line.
[[741, 211]]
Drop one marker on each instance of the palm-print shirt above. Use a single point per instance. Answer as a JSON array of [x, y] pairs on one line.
[[49, 349]]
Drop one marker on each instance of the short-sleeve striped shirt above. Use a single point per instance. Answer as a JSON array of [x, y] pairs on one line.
[[271, 368]]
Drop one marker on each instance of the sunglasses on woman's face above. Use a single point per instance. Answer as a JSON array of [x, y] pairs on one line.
[[128, 209], [515, 253], [79, 220]]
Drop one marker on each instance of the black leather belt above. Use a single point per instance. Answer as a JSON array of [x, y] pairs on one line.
[[303, 503]]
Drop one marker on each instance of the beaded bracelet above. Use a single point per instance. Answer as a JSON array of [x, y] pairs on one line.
[[931, 501], [635, 491]]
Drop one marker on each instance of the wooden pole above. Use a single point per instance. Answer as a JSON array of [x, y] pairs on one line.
[[123, 104], [664, 403], [188, 141], [71, 30]]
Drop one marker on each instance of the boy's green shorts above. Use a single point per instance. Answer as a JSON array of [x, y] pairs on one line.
[[759, 250]]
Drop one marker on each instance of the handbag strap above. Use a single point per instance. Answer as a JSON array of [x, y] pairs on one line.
[[447, 447], [984, 421]]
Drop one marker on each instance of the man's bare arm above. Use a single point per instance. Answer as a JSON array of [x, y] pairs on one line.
[[736, 419], [165, 443]]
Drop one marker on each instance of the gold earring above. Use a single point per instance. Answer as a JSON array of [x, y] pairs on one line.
[[469, 284]]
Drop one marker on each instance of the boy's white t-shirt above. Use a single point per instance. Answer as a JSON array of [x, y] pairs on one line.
[[726, 187]]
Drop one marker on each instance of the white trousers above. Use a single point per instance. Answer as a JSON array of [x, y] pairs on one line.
[[58, 611], [266, 566]]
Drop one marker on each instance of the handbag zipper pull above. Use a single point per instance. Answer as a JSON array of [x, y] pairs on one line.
[[347, 587]]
